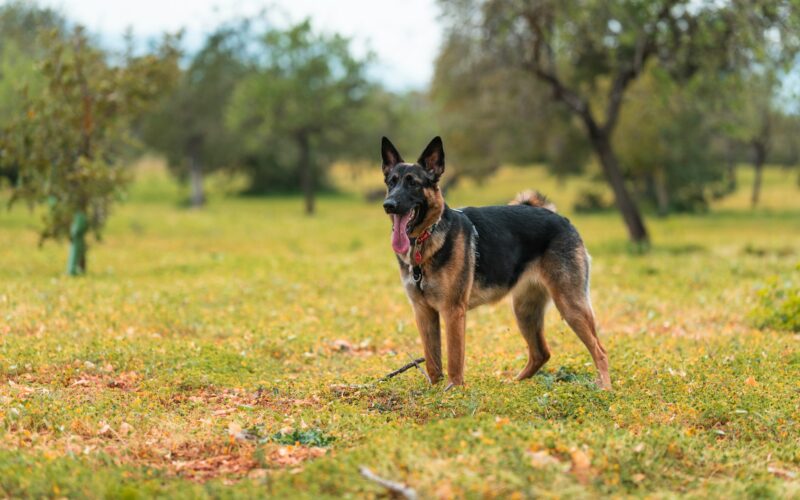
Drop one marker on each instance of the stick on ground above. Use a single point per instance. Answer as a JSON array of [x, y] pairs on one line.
[[398, 488], [423, 372], [414, 362]]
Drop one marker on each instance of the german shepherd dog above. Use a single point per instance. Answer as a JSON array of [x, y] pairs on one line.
[[454, 260]]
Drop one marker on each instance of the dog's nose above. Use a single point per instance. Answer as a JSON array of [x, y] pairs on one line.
[[390, 206]]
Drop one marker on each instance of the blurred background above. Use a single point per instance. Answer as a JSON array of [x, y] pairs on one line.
[[636, 110]]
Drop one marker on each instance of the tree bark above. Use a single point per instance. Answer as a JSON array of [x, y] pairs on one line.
[[601, 143], [306, 172], [661, 192], [730, 159], [758, 164], [600, 134], [194, 148], [198, 197]]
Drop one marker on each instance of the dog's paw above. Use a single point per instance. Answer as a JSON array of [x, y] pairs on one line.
[[451, 385]]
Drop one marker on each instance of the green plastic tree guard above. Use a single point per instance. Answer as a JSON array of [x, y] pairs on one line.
[[77, 249]]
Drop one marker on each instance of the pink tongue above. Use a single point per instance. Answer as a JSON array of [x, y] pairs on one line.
[[400, 241]]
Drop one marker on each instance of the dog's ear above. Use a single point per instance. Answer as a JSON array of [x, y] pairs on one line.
[[432, 159], [389, 155]]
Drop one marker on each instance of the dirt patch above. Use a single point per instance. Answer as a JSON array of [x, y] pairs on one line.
[[224, 401], [77, 375], [228, 458]]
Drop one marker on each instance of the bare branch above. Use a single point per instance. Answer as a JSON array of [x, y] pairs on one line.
[[542, 64], [645, 48]]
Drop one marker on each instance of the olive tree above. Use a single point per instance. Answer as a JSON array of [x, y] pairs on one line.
[[68, 137]]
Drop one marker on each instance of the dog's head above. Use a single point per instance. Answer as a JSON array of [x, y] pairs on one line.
[[413, 199]]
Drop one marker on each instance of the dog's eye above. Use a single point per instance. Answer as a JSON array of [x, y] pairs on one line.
[[393, 180], [411, 181]]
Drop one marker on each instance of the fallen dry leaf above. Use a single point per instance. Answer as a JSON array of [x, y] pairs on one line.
[[234, 428], [541, 459], [125, 429], [581, 465]]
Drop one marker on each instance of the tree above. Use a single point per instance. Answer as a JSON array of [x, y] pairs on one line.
[[757, 124], [188, 126], [663, 140], [588, 53], [750, 93], [301, 107], [67, 138], [485, 109], [20, 47]]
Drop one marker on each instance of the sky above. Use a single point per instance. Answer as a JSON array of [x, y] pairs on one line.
[[405, 35]]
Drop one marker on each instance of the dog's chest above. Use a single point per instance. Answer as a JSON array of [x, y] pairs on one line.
[[426, 287], [444, 276]]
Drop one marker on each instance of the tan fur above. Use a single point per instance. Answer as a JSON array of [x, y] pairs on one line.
[[443, 291], [534, 199], [435, 208], [429, 330], [569, 291], [485, 295], [530, 300]]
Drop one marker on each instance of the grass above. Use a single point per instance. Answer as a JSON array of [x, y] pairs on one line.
[[211, 353]]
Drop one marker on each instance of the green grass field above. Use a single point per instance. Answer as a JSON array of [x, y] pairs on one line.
[[250, 319]]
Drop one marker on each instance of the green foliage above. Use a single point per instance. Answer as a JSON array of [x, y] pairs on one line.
[[308, 437], [485, 109], [778, 304], [188, 125], [69, 132], [663, 143], [503, 61], [20, 46], [592, 200], [300, 109]]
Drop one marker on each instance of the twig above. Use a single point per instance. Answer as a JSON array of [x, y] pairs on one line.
[[395, 487], [415, 362], [343, 388], [423, 372]]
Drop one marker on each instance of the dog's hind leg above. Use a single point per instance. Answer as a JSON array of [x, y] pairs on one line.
[[530, 304], [568, 284]]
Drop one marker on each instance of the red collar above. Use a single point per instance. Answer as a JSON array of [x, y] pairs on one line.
[[419, 241]]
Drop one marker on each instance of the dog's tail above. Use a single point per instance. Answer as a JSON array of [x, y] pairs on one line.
[[534, 199]]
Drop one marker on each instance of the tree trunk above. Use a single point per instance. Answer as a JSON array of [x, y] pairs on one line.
[[758, 165], [730, 159], [306, 172], [622, 198], [198, 198], [76, 263], [662, 193]]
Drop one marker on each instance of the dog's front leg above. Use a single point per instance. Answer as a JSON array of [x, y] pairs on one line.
[[455, 319], [428, 326]]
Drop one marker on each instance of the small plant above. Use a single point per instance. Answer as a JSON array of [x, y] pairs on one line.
[[307, 437], [567, 375], [310, 437], [778, 305]]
